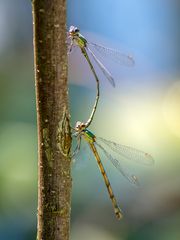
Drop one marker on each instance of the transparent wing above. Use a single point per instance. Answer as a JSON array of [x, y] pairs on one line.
[[75, 152], [129, 152], [106, 73], [117, 56], [71, 49], [81, 155], [131, 178]]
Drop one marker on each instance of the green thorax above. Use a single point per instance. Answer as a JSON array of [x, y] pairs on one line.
[[89, 136], [80, 41]]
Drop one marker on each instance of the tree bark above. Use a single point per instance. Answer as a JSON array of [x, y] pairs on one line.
[[54, 138]]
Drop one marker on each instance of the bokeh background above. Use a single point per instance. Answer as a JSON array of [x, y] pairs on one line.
[[142, 111]]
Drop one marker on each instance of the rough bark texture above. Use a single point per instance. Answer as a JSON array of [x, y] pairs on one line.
[[54, 188]]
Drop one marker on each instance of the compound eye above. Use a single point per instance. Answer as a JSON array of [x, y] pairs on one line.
[[78, 125], [76, 30]]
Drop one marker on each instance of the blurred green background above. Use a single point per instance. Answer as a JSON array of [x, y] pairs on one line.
[[142, 111]]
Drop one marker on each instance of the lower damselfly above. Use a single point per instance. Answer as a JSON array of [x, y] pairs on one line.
[[97, 143], [77, 39]]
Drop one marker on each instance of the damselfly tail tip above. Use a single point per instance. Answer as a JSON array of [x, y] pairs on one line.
[[118, 214]]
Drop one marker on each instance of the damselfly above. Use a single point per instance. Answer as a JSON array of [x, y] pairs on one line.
[[76, 38], [130, 153]]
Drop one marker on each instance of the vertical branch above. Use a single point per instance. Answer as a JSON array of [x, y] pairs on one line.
[[54, 139]]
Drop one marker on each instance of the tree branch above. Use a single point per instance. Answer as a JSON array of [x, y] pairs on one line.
[[54, 137]]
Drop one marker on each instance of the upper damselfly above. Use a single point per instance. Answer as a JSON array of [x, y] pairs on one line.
[[77, 39]]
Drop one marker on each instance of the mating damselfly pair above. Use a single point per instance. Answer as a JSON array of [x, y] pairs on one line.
[[81, 129]]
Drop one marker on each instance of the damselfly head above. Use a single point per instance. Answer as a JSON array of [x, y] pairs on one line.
[[79, 126], [73, 30]]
